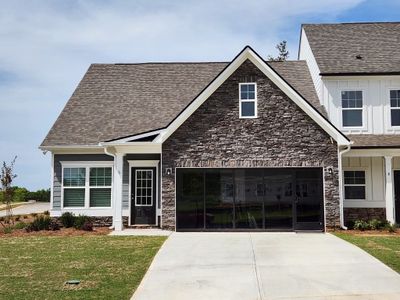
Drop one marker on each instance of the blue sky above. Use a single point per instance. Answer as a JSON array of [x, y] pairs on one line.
[[46, 47]]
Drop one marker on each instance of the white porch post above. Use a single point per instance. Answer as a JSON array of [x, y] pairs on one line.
[[117, 191], [389, 189]]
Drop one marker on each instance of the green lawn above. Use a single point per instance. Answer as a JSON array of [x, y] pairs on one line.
[[109, 267], [384, 248]]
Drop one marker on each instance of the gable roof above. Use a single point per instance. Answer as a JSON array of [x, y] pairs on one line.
[[114, 101], [249, 54], [335, 47]]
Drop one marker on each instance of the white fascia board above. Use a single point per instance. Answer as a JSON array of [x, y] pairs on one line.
[[144, 147], [248, 53]]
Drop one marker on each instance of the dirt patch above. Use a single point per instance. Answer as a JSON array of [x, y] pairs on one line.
[[61, 232]]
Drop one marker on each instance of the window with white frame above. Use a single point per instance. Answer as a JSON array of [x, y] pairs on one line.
[[395, 107], [248, 100], [352, 108], [354, 185], [87, 186]]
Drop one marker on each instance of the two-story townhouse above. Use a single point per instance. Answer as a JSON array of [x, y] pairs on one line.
[[356, 72], [240, 145]]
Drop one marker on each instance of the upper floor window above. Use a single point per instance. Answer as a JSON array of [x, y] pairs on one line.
[[395, 107], [352, 108], [248, 100]]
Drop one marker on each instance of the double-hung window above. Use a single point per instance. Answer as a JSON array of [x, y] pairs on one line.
[[395, 107], [247, 100], [354, 185], [352, 108], [86, 186]]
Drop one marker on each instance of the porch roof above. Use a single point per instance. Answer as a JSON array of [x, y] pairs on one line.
[[365, 141]]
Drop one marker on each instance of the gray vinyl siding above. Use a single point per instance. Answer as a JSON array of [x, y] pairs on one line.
[[58, 171], [125, 178]]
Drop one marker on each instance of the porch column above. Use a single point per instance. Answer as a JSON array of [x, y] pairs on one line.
[[117, 191], [389, 189]]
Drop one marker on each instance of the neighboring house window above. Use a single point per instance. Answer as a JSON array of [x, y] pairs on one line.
[[247, 100], [100, 187], [74, 187], [354, 185], [395, 107], [87, 186], [352, 108]]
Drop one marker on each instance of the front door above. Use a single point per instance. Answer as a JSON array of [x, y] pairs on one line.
[[396, 175], [143, 196]]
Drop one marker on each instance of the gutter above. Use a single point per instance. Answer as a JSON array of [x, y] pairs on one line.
[[113, 155], [341, 208]]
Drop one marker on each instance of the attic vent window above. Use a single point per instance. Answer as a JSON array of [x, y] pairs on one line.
[[247, 100], [359, 56]]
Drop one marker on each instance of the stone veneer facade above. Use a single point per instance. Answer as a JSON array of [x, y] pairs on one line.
[[363, 213], [282, 136]]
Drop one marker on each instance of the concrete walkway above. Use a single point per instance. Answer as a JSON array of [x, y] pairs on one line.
[[265, 266], [29, 208]]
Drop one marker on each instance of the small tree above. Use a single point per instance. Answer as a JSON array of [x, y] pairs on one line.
[[6, 178], [283, 53]]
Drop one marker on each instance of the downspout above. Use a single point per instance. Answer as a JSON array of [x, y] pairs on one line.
[[113, 155], [341, 208]]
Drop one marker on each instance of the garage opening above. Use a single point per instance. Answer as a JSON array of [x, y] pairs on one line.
[[276, 199]]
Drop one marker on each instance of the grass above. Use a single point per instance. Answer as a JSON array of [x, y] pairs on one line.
[[109, 267], [385, 248]]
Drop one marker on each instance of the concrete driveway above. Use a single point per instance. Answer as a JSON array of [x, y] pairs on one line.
[[265, 266], [29, 208]]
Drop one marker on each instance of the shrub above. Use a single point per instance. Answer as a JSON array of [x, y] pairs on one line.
[[390, 227], [17, 218], [87, 226], [25, 216], [80, 221], [7, 230], [20, 225], [47, 213], [40, 223], [361, 225], [67, 219], [34, 215], [54, 225], [375, 224]]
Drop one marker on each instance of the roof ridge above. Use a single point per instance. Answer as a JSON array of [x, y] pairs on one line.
[[165, 63], [351, 23]]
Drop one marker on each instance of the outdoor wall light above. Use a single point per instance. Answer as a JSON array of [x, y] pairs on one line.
[[330, 170], [168, 171]]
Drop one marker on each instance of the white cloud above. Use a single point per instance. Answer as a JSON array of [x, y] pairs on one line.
[[46, 46]]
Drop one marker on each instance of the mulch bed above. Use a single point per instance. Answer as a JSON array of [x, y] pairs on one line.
[[369, 232], [61, 232]]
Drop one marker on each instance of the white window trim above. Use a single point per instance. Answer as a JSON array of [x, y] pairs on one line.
[[363, 110], [248, 100], [366, 184], [151, 187], [389, 116], [87, 165]]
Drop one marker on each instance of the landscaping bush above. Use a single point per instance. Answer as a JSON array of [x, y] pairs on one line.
[[361, 225], [54, 225], [47, 213], [67, 219], [376, 224], [7, 230], [40, 223], [87, 226], [80, 221], [391, 227], [20, 225]]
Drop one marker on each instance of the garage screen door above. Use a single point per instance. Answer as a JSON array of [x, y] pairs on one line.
[[249, 199]]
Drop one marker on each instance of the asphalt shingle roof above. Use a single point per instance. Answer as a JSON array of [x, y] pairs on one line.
[[375, 140], [336, 47], [118, 100]]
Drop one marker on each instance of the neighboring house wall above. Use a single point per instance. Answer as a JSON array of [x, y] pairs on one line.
[[376, 102], [375, 183], [282, 136], [305, 53], [58, 158]]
